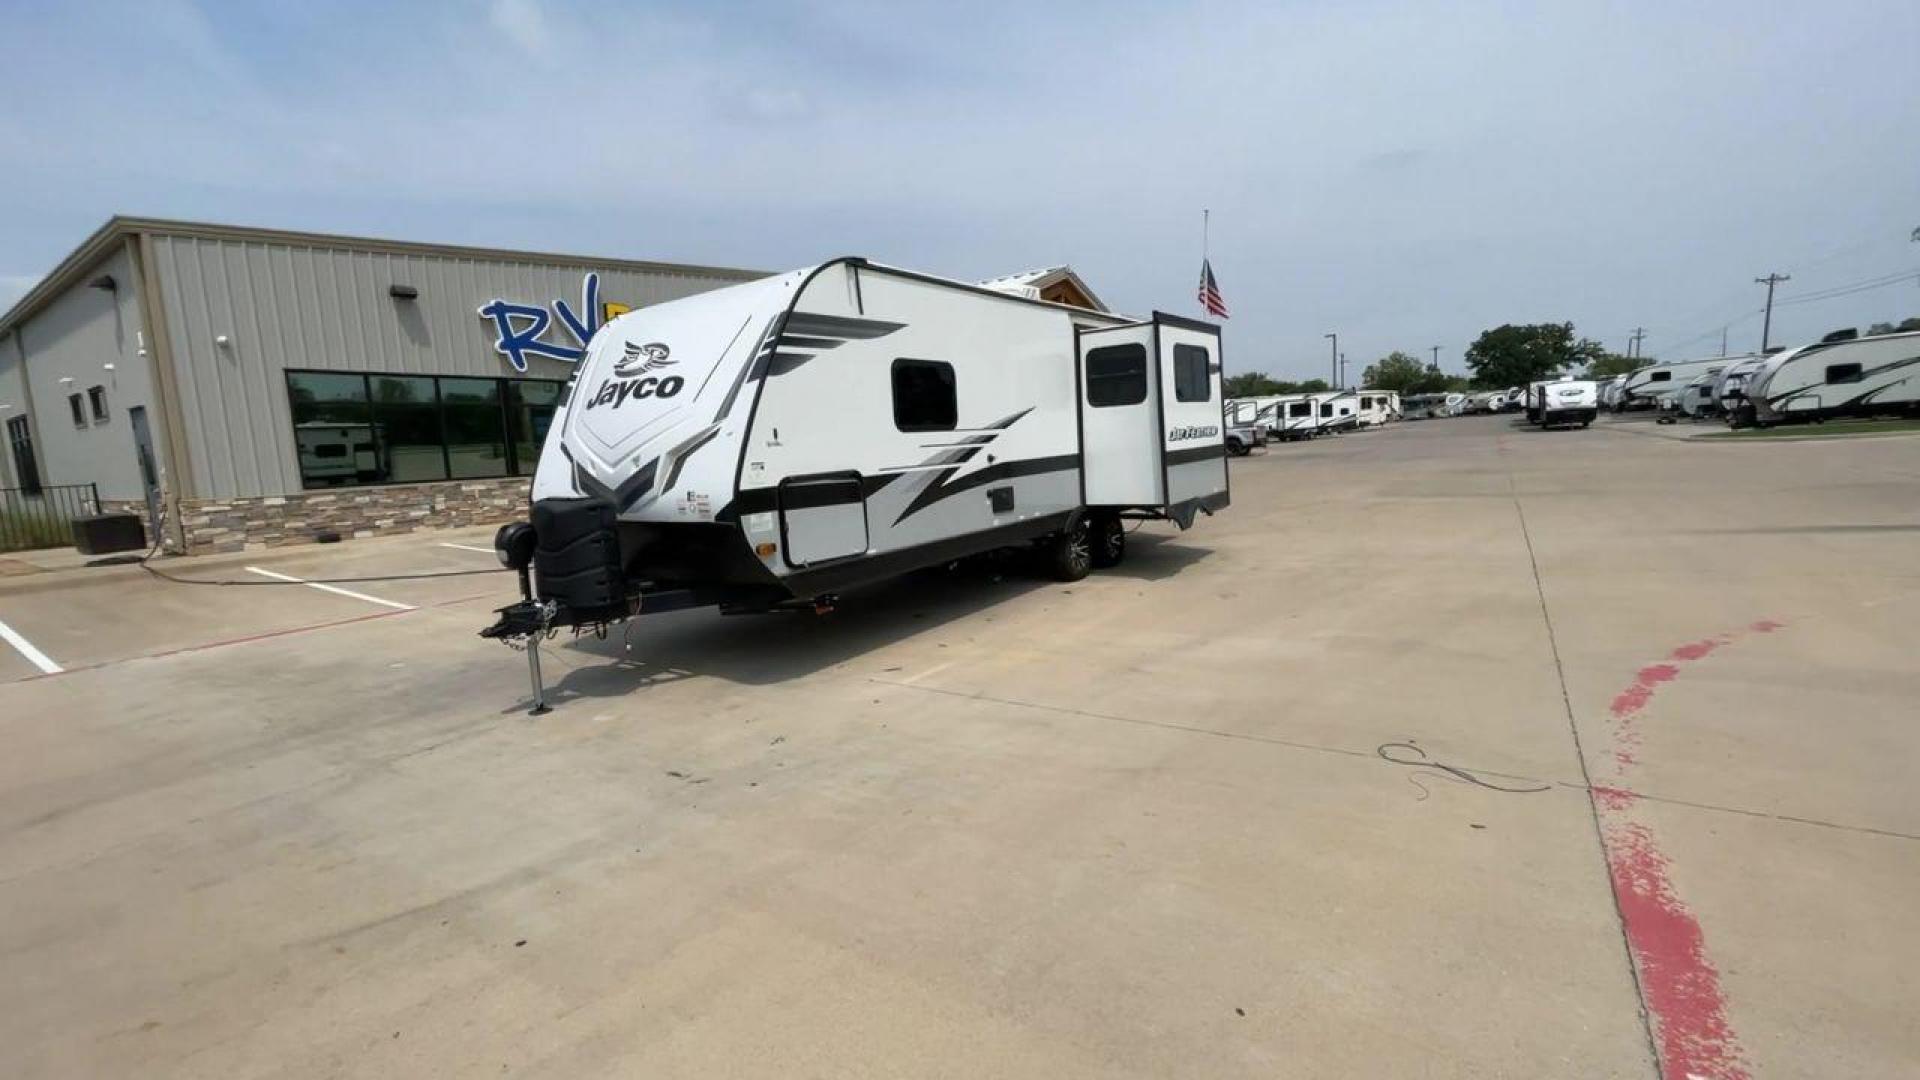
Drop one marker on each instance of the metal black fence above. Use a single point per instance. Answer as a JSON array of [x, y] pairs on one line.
[[44, 518]]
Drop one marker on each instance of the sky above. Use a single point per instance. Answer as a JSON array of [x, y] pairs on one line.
[[1404, 174]]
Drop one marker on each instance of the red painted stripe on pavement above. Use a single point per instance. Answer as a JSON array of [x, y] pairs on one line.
[[1679, 984]]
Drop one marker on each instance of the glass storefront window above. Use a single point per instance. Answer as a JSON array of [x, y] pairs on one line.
[[378, 429], [406, 426], [528, 417], [476, 427]]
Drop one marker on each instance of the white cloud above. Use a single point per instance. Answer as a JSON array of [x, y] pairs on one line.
[[524, 24]]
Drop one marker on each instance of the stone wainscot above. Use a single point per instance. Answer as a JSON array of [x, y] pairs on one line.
[[217, 525]]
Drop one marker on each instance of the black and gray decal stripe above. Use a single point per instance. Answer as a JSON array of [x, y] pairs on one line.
[[1197, 453], [803, 335], [937, 487], [623, 496], [940, 490], [838, 326]]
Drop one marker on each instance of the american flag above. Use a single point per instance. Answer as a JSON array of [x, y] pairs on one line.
[[1210, 291]]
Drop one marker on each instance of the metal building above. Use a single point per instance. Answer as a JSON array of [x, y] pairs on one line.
[[262, 386]]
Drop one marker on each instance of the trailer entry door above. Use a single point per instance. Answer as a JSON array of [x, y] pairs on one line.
[[1195, 447], [1119, 417], [822, 518]]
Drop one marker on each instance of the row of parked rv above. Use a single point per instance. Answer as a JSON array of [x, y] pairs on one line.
[[1841, 375], [1253, 421]]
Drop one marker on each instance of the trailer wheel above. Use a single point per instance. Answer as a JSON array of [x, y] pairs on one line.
[[1109, 541], [1069, 555]]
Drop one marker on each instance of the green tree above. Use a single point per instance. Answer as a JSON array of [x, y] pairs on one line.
[[1611, 364], [1251, 384], [1311, 386], [1395, 371], [1516, 355]]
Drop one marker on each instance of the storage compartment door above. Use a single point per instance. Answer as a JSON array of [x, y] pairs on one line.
[[1195, 446], [1119, 417], [822, 518]]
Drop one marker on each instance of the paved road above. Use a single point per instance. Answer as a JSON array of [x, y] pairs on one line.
[[1135, 826]]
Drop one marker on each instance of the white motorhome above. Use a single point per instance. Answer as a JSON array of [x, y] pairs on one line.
[[774, 443], [1842, 375]]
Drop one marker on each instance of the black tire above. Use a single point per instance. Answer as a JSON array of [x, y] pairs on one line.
[[1069, 555], [1237, 448], [1109, 539]]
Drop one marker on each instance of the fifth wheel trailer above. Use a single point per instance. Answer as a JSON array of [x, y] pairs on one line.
[[772, 444]]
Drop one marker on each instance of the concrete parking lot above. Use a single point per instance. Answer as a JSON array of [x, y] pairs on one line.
[[1169, 821]]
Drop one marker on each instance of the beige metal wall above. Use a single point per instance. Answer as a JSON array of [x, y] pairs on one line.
[[303, 305], [86, 337]]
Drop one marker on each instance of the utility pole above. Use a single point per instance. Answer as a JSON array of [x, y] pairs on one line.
[[1335, 338], [1766, 327], [1342, 383], [1633, 342], [1436, 357], [1723, 341]]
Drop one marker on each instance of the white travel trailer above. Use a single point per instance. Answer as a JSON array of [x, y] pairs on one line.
[[1295, 417], [1842, 375], [1655, 384], [1338, 410], [774, 443], [1563, 401], [1729, 387], [1378, 407]]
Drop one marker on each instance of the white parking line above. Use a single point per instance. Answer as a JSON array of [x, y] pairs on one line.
[[330, 588], [34, 656], [468, 547]]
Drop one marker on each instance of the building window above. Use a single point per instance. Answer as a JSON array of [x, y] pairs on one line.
[[396, 429], [78, 410], [26, 468], [1117, 375], [1843, 373], [923, 396], [97, 403], [1191, 380]]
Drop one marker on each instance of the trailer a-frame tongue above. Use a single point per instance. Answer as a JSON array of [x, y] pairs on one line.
[[1151, 428]]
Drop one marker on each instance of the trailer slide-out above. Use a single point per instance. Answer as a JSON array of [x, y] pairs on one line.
[[774, 443]]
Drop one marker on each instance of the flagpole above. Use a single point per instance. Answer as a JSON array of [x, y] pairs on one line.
[[1206, 227]]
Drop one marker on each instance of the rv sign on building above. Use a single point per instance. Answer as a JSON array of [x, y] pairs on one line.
[[520, 328]]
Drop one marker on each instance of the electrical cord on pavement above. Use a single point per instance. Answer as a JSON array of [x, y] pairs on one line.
[[1420, 760]]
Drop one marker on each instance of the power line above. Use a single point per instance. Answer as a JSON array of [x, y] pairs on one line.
[[1848, 290]]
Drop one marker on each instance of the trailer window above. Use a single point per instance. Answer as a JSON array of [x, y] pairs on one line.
[[1660, 376], [1326, 409], [1117, 375], [1190, 375], [1299, 408], [1843, 373], [923, 396]]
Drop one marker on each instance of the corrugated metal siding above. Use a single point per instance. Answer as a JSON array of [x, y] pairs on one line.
[[75, 337], [306, 307]]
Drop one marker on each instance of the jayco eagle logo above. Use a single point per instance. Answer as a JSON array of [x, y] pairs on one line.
[[640, 359], [631, 379], [518, 328]]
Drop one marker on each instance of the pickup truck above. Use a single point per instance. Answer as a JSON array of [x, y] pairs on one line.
[[1242, 438]]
